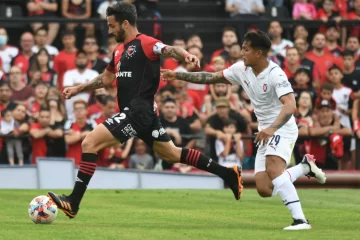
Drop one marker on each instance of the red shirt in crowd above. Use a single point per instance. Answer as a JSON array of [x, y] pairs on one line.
[[39, 147], [94, 109], [62, 62], [323, 63], [336, 52], [170, 63], [22, 61], [356, 29], [33, 107], [221, 52], [74, 150]]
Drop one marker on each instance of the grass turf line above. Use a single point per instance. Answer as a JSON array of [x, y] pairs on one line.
[[184, 214]]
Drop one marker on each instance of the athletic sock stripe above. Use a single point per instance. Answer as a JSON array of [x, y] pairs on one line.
[[88, 163], [187, 157], [189, 160], [197, 156], [192, 157], [87, 167], [86, 172], [292, 202]]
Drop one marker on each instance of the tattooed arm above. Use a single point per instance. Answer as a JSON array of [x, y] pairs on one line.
[[175, 52], [198, 77], [287, 111], [102, 80]]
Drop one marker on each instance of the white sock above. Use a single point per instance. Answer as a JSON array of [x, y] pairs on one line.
[[297, 171], [284, 187]]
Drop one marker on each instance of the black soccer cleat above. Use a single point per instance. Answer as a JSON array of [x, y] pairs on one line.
[[236, 184], [299, 224], [64, 204]]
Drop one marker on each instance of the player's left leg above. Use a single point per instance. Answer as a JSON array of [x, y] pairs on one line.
[[169, 152]]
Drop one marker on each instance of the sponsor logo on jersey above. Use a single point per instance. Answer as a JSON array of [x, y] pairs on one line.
[[157, 133], [123, 74], [130, 51], [246, 82]]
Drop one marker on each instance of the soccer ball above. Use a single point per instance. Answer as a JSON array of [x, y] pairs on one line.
[[42, 210]]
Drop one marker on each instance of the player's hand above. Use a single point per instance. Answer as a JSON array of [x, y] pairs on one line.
[[168, 75], [262, 137], [192, 59], [70, 91]]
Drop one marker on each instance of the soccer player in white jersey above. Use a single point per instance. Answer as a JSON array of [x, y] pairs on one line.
[[273, 99]]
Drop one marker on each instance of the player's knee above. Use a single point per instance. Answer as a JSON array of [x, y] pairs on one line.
[[88, 145]]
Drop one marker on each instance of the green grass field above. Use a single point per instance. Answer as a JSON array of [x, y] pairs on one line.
[[184, 214]]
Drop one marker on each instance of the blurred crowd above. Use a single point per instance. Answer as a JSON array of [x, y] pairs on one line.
[[323, 68]]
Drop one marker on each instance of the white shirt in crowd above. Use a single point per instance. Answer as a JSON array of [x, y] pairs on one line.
[[280, 49], [232, 158], [343, 96], [7, 127], [245, 6], [74, 77], [264, 91], [102, 8], [7, 55]]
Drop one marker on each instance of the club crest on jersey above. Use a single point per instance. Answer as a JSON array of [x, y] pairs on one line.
[[130, 51], [265, 87]]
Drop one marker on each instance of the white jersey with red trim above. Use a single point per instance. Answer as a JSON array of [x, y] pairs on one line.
[[264, 90], [343, 97], [280, 49], [6, 55]]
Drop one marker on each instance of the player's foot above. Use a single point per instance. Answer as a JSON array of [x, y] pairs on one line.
[[299, 224], [64, 204], [236, 183], [314, 170]]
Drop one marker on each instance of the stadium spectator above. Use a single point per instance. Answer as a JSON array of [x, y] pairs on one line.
[[7, 52], [96, 108], [5, 97], [57, 120], [117, 156], [168, 91], [279, 45], [215, 124], [65, 60], [332, 37], [141, 159], [353, 44], [326, 92], [21, 93], [323, 59], [303, 9], [171, 63], [356, 117], [302, 46], [40, 69], [78, 9], [303, 113], [76, 130], [244, 9], [301, 32], [23, 59], [91, 48], [302, 83], [44, 136], [228, 38], [185, 107], [102, 8], [41, 41], [175, 127], [327, 152], [292, 63], [45, 9], [7, 127], [194, 40], [230, 149], [327, 13], [76, 76], [218, 64], [351, 77], [111, 42], [355, 15], [218, 90], [235, 53], [21, 129], [34, 104]]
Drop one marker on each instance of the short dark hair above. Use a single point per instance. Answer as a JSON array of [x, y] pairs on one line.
[[327, 86], [347, 53], [68, 33], [259, 40], [108, 98], [40, 29], [38, 83], [334, 67], [352, 36], [179, 38], [4, 112], [229, 122], [302, 70], [229, 29], [166, 100], [123, 11], [81, 51], [44, 109], [4, 83], [168, 88]]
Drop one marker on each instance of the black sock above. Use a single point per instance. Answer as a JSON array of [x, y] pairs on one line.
[[86, 171], [197, 159]]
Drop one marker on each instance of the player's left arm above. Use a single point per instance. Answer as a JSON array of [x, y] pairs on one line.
[[287, 111], [178, 53]]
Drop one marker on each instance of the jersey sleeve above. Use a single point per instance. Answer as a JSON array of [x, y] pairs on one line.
[[110, 67], [280, 83], [232, 74], [152, 47]]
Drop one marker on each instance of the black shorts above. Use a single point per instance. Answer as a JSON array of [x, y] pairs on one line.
[[138, 120]]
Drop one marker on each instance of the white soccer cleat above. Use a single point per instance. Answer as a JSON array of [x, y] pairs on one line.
[[299, 224], [314, 170]]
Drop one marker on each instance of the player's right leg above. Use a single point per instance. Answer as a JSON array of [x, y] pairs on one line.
[[94, 141]]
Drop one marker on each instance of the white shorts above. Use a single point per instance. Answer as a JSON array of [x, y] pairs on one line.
[[281, 144]]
